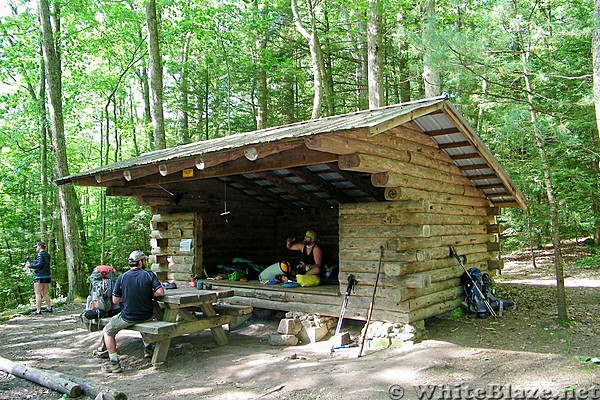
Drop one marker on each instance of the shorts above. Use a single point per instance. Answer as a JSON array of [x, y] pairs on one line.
[[42, 280], [117, 324]]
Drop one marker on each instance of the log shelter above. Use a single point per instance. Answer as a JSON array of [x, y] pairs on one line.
[[391, 187]]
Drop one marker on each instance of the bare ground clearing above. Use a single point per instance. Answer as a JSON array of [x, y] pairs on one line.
[[525, 348]]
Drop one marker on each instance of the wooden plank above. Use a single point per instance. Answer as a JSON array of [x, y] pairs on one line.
[[395, 179], [231, 309], [373, 163], [404, 193], [405, 206], [401, 218], [300, 156], [173, 234], [368, 231]]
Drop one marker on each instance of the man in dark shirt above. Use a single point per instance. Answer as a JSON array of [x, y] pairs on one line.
[[135, 290], [42, 278]]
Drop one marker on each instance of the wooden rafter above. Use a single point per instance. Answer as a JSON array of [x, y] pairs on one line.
[[250, 184], [290, 188], [285, 159], [323, 185]]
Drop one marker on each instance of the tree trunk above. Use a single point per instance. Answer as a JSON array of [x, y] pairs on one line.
[[539, 142], [142, 74], [262, 89], [360, 54], [375, 73], [316, 55], [184, 93], [43, 132], [156, 78], [66, 193], [329, 92], [431, 75], [596, 75]]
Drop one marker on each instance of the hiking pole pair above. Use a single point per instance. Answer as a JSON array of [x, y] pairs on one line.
[[485, 300], [351, 283]]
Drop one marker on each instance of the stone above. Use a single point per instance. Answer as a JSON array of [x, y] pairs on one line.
[[341, 339], [312, 334], [282, 340], [288, 326]]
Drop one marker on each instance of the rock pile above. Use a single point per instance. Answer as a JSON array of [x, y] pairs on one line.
[[303, 328]]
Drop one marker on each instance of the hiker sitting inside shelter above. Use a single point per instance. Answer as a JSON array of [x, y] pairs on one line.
[[311, 260], [307, 272]]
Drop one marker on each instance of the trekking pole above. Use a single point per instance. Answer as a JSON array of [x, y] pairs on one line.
[[370, 313], [349, 289], [351, 283], [485, 300]]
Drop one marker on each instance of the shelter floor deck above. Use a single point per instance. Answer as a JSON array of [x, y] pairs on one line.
[[324, 290]]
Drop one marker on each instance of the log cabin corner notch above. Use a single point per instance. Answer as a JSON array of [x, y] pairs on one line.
[[412, 177]]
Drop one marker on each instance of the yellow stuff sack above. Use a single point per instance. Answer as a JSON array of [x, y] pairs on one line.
[[308, 280]]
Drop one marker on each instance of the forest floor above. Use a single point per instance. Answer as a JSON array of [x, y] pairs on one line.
[[519, 355]]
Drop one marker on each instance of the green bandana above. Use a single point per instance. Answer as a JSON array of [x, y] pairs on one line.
[[310, 235]]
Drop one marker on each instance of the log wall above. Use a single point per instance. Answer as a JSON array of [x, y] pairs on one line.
[[431, 206], [169, 259]]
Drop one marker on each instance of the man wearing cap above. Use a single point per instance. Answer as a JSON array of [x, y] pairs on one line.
[[311, 259], [42, 278], [135, 290]]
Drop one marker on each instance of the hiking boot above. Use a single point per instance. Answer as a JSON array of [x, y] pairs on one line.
[[112, 367], [35, 313], [101, 353], [148, 352], [47, 310]]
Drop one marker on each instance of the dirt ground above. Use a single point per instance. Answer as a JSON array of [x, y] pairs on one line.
[[518, 355]]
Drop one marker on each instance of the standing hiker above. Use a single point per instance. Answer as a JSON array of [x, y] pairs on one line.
[[135, 290], [41, 279]]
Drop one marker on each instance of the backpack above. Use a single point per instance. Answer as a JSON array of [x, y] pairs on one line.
[[476, 303], [99, 301]]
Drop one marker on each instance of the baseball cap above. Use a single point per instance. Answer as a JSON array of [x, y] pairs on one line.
[[136, 256], [41, 244]]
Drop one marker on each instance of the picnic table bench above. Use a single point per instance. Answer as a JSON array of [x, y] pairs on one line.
[[184, 311]]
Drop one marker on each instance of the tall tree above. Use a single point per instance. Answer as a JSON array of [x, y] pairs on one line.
[[375, 49], [316, 53], [596, 74], [431, 73], [66, 193], [156, 77]]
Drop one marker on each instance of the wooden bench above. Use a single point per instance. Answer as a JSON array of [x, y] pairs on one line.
[[149, 327], [163, 327], [230, 309]]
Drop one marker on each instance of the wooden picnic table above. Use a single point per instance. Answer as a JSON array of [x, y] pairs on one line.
[[179, 306], [186, 311]]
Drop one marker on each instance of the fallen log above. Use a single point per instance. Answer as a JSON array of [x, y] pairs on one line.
[[77, 386], [41, 377], [93, 390]]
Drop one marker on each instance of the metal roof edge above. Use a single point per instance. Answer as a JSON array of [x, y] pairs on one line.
[[486, 154]]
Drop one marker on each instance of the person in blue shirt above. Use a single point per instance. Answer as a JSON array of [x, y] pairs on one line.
[[41, 279], [135, 291]]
